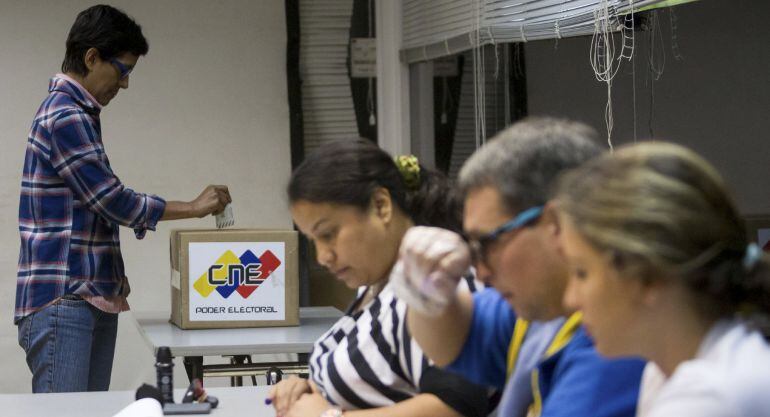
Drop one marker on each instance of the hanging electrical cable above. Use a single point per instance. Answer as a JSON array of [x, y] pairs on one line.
[[602, 51], [370, 85]]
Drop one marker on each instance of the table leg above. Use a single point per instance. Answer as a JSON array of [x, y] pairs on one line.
[[304, 359], [253, 377], [194, 367], [236, 381]]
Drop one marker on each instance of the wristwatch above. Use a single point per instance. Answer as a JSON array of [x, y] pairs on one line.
[[332, 412]]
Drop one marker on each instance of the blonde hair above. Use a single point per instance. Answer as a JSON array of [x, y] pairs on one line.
[[663, 212]]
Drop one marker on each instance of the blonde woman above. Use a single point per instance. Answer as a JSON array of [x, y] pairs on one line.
[[661, 267]]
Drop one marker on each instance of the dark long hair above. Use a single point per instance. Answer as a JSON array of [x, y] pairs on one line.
[[348, 173]]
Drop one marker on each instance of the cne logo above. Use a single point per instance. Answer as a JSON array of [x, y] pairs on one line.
[[242, 274]]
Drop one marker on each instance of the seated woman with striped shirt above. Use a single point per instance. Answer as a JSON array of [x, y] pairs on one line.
[[355, 203]]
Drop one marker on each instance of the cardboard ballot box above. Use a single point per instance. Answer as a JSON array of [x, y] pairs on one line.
[[234, 278]]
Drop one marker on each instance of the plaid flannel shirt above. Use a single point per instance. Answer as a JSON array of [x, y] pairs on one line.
[[72, 204]]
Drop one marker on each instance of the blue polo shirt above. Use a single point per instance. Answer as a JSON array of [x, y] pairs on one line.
[[573, 381]]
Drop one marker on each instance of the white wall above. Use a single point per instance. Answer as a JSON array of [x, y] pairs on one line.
[[207, 105], [716, 100]]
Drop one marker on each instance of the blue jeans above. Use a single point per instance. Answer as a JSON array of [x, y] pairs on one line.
[[70, 346]]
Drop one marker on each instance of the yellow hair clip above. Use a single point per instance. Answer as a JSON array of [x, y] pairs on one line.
[[409, 168]]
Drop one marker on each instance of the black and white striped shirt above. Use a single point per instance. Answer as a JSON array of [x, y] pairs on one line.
[[368, 359]]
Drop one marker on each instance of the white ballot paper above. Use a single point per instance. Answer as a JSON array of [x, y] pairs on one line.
[[146, 407], [225, 218]]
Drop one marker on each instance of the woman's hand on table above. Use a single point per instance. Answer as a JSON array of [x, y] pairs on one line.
[[309, 404], [285, 393]]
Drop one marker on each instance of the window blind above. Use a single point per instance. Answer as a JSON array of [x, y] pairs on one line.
[[327, 103], [435, 28], [465, 141]]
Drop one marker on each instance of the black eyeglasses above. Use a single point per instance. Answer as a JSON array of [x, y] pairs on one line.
[[480, 246], [124, 70]]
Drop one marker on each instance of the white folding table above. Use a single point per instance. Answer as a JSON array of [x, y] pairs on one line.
[[193, 345], [233, 402]]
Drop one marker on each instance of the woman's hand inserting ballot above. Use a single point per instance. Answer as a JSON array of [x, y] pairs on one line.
[[431, 263]]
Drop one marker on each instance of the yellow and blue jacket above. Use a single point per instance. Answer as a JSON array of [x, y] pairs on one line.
[[546, 369]]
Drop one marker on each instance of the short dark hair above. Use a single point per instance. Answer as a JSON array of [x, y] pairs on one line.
[[105, 28], [347, 172]]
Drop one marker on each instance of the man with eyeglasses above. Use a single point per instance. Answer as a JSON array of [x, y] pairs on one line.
[[71, 283], [517, 335]]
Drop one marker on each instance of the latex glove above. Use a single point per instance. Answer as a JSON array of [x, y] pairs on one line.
[[431, 263]]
